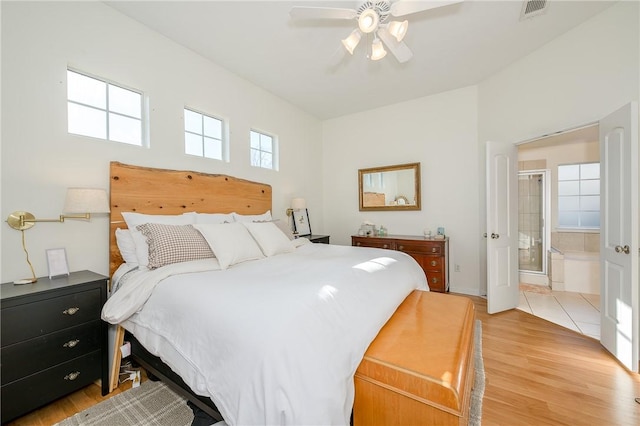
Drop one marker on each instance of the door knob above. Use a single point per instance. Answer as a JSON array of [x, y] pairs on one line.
[[495, 236], [625, 249]]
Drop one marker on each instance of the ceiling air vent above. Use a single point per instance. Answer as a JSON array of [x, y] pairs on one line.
[[533, 8]]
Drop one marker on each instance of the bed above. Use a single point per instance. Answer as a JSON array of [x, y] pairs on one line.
[[309, 311]]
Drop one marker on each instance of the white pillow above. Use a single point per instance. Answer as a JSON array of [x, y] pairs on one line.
[[127, 246], [269, 237], [230, 242], [135, 219], [212, 217], [252, 217]]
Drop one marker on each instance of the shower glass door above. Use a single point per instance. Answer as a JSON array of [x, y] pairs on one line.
[[531, 222]]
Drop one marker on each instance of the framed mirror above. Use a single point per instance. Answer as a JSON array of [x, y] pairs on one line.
[[390, 188]]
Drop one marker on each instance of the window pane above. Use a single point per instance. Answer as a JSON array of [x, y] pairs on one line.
[[86, 90], [125, 129], [590, 219], [590, 202], [192, 122], [266, 160], [568, 219], [87, 121], [568, 203], [212, 127], [213, 148], [255, 140], [569, 188], [590, 171], [590, 187], [255, 157], [125, 101], [570, 172], [266, 143], [193, 144]]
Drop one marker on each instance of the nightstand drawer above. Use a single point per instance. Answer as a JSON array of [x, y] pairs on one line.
[[38, 389], [23, 322], [40, 353]]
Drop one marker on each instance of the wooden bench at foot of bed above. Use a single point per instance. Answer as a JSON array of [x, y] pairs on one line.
[[419, 370]]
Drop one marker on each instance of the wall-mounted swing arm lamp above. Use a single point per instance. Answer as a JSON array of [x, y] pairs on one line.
[[296, 204], [79, 203]]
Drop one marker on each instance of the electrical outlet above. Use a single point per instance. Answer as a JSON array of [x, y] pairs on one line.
[[457, 268]]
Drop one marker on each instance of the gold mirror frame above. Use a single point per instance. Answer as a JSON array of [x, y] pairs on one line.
[[365, 198]]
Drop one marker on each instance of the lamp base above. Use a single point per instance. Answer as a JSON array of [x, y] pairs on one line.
[[21, 220], [26, 281]]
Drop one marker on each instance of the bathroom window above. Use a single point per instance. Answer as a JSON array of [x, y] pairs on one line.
[[579, 196]]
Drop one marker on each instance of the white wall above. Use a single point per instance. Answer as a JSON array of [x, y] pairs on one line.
[[439, 132], [40, 159]]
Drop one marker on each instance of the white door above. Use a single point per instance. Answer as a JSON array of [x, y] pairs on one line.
[[502, 227], [619, 293]]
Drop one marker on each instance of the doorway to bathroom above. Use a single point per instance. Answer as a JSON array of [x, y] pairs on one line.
[[533, 232]]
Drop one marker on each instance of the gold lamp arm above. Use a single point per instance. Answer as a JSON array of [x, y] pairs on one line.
[[21, 220]]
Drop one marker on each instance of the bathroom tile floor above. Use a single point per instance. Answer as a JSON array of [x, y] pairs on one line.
[[576, 311]]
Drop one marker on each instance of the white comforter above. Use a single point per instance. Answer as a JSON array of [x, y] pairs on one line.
[[271, 341]]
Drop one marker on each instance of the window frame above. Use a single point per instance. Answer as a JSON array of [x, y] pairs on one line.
[[580, 209], [143, 119], [274, 150], [224, 137]]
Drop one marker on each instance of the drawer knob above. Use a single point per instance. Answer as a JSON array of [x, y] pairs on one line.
[[71, 311], [434, 280], [434, 250], [434, 263], [358, 243], [385, 246], [71, 343], [401, 247], [72, 376]]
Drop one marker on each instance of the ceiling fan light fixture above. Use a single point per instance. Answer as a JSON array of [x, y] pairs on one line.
[[352, 41], [377, 50], [368, 21], [398, 29]]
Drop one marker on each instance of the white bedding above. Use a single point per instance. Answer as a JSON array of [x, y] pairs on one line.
[[271, 341]]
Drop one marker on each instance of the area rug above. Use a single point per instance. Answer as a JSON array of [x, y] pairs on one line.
[[475, 412], [154, 404]]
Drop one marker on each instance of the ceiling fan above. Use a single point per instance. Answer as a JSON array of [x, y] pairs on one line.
[[373, 17]]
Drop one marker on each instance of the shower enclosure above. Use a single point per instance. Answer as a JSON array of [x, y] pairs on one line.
[[533, 238]]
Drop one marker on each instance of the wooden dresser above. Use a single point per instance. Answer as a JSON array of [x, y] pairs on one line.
[[430, 253], [53, 340]]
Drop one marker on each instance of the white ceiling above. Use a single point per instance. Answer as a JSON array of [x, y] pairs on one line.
[[304, 63]]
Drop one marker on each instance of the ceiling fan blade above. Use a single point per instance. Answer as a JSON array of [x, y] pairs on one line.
[[407, 7], [304, 12], [399, 49]]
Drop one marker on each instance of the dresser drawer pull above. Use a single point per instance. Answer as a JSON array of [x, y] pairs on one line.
[[358, 243], [434, 263], [401, 248], [385, 246], [71, 311], [434, 280], [71, 343], [434, 249], [72, 376]]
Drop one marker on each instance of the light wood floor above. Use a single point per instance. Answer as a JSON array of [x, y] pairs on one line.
[[537, 373]]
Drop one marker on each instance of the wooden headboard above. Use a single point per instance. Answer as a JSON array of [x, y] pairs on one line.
[[160, 191]]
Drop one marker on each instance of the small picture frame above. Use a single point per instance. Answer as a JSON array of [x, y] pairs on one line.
[[301, 223], [57, 262]]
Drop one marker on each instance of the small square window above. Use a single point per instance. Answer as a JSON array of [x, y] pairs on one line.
[[204, 135], [579, 196], [262, 150]]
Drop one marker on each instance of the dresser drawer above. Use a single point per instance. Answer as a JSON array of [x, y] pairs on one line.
[[372, 242], [24, 322], [40, 353], [436, 281], [33, 391], [432, 263], [424, 247]]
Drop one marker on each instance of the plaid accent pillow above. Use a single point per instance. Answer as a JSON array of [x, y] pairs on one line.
[[173, 244]]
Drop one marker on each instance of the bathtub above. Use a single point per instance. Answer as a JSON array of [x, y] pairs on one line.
[[577, 271]]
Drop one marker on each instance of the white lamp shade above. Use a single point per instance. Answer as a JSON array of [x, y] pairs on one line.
[[352, 41], [368, 21], [398, 29], [298, 204], [86, 200], [377, 50]]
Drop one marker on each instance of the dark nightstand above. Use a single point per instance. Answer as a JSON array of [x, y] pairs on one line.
[[321, 239], [53, 340]]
